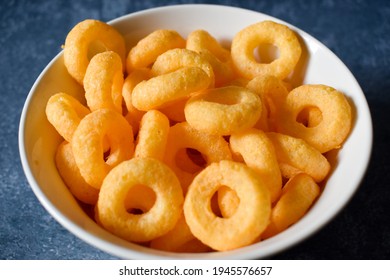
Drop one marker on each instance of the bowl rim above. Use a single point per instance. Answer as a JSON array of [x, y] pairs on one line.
[[242, 253]]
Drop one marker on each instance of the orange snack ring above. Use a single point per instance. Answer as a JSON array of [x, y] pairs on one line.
[[299, 155], [151, 46], [163, 215], [79, 41], [163, 90], [175, 59], [64, 112], [87, 144], [70, 174], [199, 40], [103, 82], [133, 115], [176, 239], [259, 154], [250, 219], [181, 136], [265, 32], [298, 195], [223, 71], [273, 94], [152, 136], [223, 111], [336, 122]]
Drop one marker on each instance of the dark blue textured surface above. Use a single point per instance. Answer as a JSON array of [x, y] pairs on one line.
[[31, 33]]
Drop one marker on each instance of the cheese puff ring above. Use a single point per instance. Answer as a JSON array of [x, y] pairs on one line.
[[152, 136], [203, 43], [87, 144], [163, 215], [247, 223], [298, 195], [224, 110], [163, 90], [178, 58], [214, 148], [64, 112], [273, 94], [265, 32], [259, 154], [103, 82], [295, 155], [82, 37], [177, 239], [199, 40], [134, 115], [150, 47], [336, 122], [71, 176]]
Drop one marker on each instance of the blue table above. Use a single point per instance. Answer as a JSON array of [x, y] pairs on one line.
[[356, 31]]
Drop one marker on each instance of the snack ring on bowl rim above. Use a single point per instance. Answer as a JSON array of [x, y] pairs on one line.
[[259, 154], [87, 144], [336, 116], [103, 82], [71, 176], [298, 195], [175, 59], [214, 148], [252, 214], [163, 215], [265, 32], [65, 112], [295, 155], [153, 135], [80, 40], [163, 90], [146, 51], [224, 110]]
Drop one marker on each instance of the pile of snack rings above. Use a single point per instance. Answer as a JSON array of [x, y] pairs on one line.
[[184, 145]]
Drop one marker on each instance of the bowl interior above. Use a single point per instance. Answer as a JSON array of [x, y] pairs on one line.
[[38, 139]]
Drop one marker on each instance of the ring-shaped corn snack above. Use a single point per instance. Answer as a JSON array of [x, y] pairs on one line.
[[103, 82], [214, 148], [175, 59], [266, 32], [162, 91], [163, 215], [87, 144], [273, 94], [146, 51], [252, 214], [81, 38], [336, 113], [224, 110], [71, 176], [295, 155], [153, 135], [259, 154], [65, 112], [134, 115], [297, 197]]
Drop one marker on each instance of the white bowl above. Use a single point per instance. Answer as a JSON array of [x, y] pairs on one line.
[[38, 140]]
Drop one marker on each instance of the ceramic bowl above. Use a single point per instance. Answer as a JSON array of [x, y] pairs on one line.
[[38, 140]]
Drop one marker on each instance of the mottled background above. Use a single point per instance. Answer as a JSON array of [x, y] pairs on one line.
[[31, 33]]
